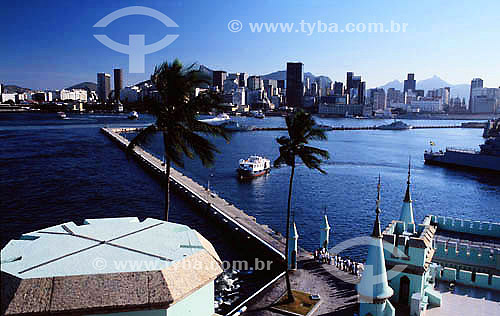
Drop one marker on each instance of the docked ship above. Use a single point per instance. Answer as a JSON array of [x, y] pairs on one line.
[[488, 158], [253, 167], [233, 126], [396, 126]]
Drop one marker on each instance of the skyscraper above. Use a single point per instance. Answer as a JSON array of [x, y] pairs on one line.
[[338, 88], [118, 81], [242, 80], [475, 83], [349, 84], [218, 77], [295, 84], [410, 83], [103, 86]]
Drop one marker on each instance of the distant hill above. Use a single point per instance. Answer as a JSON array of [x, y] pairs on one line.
[[435, 82], [324, 81], [89, 86], [15, 89]]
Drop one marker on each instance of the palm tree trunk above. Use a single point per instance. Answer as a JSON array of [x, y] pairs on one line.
[[287, 276], [167, 188]]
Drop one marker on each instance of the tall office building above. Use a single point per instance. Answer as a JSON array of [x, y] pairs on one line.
[[410, 83], [103, 86], [295, 84], [118, 81], [254, 83], [242, 79], [218, 78], [475, 83], [349, 84], [355, 88], [338, 88]]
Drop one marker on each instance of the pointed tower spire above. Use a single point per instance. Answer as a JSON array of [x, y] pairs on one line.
[[376, 226], [407, 210], [407, 195], [373, 288]]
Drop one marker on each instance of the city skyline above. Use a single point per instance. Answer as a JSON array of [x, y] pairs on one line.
[[437, 42]]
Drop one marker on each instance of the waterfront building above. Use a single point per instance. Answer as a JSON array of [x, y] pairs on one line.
[[112, 266], [427, 105], [103, 86], [218, 78], [410, 83], [484, 100], [73, 94], [13, 97], [295, 84], [118, 83], [373, 288]]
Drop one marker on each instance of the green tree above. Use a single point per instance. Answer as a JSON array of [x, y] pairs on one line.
[[301, 130], [176, 119]]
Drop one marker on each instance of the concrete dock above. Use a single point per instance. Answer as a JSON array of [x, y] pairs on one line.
[[215, 206], [337, 288]]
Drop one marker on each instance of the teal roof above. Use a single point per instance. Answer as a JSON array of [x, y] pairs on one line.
[[373, 283], [101, 246]]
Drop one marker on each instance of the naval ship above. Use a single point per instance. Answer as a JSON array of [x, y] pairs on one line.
[[488, 158]]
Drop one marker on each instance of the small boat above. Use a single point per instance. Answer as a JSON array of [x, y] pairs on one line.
[[257, 114], [133, 115], [396, 126], [218, 120], [253, 167], [62, 115], [233, 126]]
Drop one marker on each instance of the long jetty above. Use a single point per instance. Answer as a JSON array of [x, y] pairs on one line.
[[216, 207], [358, 128]]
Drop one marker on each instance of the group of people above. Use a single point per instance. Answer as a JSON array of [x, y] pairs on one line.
[[344, 264]]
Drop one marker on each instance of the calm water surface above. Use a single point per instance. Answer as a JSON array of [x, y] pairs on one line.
[[57, 170]]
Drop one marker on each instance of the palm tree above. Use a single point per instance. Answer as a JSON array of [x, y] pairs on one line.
[[301, 130], [176, 118]]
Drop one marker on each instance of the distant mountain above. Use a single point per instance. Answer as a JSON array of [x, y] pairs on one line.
[[89, 86], [324, 81], [435, 82], [14, 89], [432, 83], [396, 84]]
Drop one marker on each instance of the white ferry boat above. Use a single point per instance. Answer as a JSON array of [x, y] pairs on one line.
[[396, 126], [253, 167], [62, 115]]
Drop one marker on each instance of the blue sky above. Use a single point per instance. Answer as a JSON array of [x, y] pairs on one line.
[[50, 44]]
